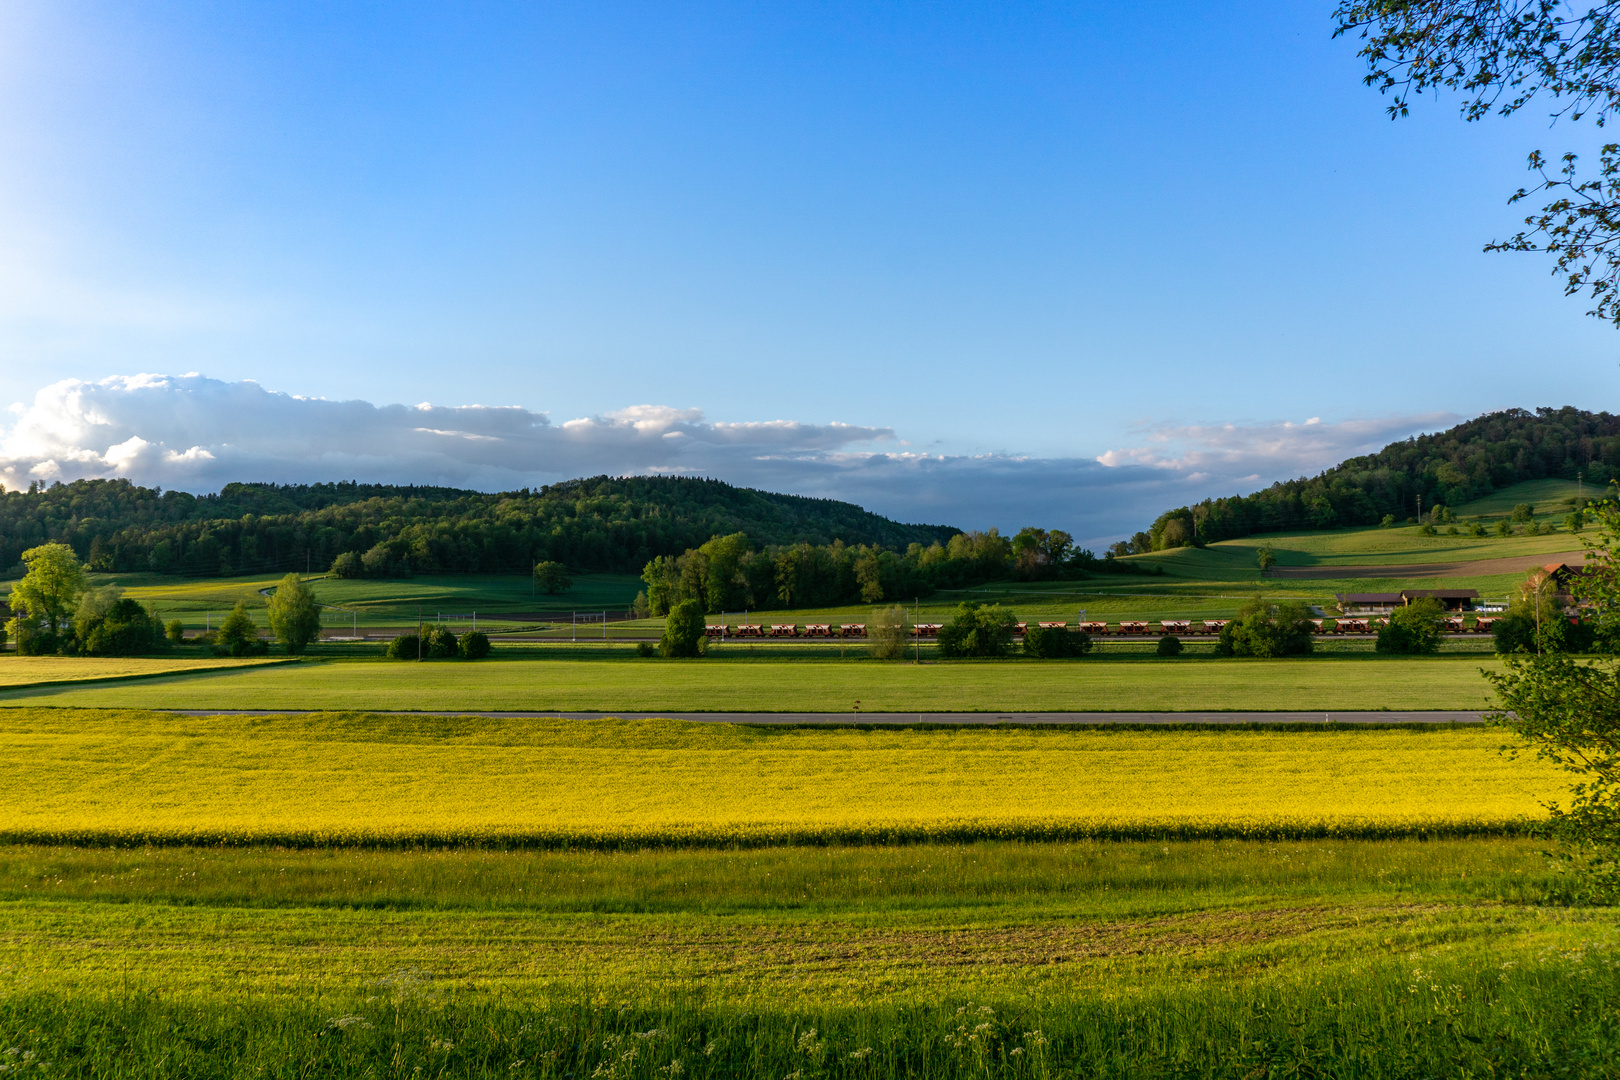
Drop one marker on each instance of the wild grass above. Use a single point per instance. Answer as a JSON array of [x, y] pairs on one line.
[[131, 778], [739, 679]]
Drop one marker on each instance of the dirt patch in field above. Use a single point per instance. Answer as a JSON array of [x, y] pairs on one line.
[[1480, 568], [834, 945]]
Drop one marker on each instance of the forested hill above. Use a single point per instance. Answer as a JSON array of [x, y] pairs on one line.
[[602, 523], [1448, 468]]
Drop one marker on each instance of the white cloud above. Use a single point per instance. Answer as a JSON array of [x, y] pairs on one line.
[[195, 434], [1278, 449]]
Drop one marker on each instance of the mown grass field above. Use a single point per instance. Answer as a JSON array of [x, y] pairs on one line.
[[25, 670], [129, 777], [612, 678], [1218, 959]]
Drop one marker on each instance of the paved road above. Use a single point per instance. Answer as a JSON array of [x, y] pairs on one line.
[[934, 718]]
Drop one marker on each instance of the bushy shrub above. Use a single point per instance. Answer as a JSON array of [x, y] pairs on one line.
[[1524, 512], [126, 629], [645, 649], [1055, 643], [1266, 629], [974, 630], [1412, 629], [175, 631], [683, 631], [474, 645], [404, 647], [1169, 645], [438, 642]]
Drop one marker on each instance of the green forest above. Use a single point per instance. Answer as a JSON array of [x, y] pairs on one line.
[[1445, 469], [601, 524]]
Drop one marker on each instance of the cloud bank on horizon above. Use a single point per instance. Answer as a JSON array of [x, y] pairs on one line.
[[195, 434]]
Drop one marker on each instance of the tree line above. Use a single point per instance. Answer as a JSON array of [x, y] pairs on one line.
[[1449, 468], [601, 524], [729, 573]]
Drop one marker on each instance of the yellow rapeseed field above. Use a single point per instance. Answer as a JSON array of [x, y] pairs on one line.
[[33, 670], [130, 777]]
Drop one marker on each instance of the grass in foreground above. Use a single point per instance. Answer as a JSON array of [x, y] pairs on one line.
[[128, 777], [612, 678], [1117, 960]]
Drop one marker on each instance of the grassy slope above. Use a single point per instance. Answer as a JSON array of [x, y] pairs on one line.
[[341, 778], [732, 682]]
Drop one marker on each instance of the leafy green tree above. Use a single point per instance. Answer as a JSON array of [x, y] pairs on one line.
[[1264, 628], [1568, 712], [1523, 512], [1477, 529], [45, 598], [1266, 557], [175, 631], [295, 617], [975, 630], [1502, 528], [474, 645], [347, 565], [1412, 629], [683, 631], [1575, 521], [237, 634], [552, 577], [1387, 521], [1055, 643], [1169, 645], [887, 631]]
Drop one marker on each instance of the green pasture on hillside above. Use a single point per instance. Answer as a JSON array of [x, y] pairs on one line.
[[613, 678]]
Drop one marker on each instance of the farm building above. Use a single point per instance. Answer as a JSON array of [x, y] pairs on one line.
[[1562, 574], [1369, 603], [1382, 603]]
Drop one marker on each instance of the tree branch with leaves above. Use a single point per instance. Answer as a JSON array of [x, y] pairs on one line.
[[1499, 56]]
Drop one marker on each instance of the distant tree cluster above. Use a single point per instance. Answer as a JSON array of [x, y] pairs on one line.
[[1447, 469], [728, 573], [363, 530]]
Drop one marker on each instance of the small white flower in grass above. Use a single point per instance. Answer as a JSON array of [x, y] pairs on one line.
[[861, 1053]]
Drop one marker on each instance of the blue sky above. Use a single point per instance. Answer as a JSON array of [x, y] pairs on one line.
[[1021, 237]]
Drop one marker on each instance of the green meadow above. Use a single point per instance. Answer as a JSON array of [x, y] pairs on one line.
[[733, 679]]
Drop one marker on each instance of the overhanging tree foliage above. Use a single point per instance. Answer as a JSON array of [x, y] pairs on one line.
[[1567, 711], [1499, 55]]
